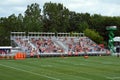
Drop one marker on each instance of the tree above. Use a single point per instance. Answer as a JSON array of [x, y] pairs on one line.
[[82, 26], [12, 23], [4, 32], [92, 34], [33, 18], [74, 20], [55, 17], [20, 24], [78, 21], [4, 37]]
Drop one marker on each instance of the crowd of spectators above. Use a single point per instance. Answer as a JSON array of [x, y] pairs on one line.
[[81, 44], [24, 44], [47, 45]]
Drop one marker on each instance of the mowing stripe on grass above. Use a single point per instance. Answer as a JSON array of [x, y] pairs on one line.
[[113, 78], [53, 78], [78, 77]]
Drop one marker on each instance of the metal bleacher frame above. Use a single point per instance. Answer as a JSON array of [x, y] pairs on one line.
[[38, 35]]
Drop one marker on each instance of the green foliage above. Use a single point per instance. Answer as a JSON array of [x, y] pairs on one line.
[[78, 22], [93, 35], [4, 37], [55, 17], [82, 26], [20, 25], [33, 18]]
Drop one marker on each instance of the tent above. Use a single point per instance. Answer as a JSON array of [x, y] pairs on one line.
[[116, 39]]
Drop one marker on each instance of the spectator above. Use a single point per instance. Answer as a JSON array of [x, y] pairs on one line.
[[118, 51]]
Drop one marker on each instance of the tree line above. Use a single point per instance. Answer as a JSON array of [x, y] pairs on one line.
[[55, 17]]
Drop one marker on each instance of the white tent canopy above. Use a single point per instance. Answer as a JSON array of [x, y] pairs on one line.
[[116, 39]]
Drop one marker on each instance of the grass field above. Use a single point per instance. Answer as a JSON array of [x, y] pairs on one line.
[[57, 68]]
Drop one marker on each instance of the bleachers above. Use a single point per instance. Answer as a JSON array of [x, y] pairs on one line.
[[48, 44]]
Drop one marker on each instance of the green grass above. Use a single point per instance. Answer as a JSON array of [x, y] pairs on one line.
[[57, 68]]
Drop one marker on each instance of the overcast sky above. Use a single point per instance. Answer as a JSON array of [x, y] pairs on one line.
[[103, 7]]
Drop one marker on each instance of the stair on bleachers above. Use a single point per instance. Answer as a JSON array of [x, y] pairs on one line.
[[65, 47]]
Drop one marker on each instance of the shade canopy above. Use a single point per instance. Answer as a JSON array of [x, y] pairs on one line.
[[116, 39]]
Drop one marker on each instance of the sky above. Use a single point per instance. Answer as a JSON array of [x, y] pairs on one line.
[[102, 7]]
